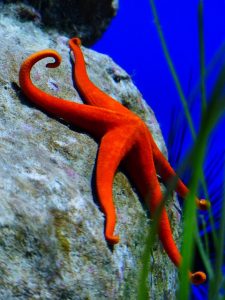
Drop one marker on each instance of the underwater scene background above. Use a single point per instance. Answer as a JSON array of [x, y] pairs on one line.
[[194, 37], [53, 237]]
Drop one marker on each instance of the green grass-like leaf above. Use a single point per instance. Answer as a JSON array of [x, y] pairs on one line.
[[218, 279], [202, 54], [211, 113], [143, 292], [172, 69]]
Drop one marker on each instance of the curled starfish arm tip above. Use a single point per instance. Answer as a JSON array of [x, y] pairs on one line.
[[112, 239], [75, 41], [28, 63], [57, 61], [203, 204], [198, 277]]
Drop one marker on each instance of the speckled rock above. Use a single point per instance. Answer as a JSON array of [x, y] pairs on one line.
[[52, 243], [87, 19]]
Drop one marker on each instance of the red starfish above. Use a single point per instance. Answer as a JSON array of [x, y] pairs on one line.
[[123, 137]]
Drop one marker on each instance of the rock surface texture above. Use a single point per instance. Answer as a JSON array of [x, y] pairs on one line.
[[87, 19], [52, 243]]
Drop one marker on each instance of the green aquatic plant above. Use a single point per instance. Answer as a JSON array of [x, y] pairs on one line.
[[211, 111]]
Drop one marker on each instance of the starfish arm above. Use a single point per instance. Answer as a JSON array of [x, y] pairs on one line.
[[171, 249], [113, 147], [90, 93], [93, 119], [167, 173], [141, 168]]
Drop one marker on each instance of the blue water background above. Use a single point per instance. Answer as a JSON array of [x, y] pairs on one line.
[[132, 41]]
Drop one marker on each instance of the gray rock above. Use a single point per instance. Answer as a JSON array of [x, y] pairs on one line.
[[52, 243], [87, 19]]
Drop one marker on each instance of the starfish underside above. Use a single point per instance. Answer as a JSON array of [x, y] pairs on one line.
[[123, 137]]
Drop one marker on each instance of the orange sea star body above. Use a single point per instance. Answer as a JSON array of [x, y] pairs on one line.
[[123, 137]]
